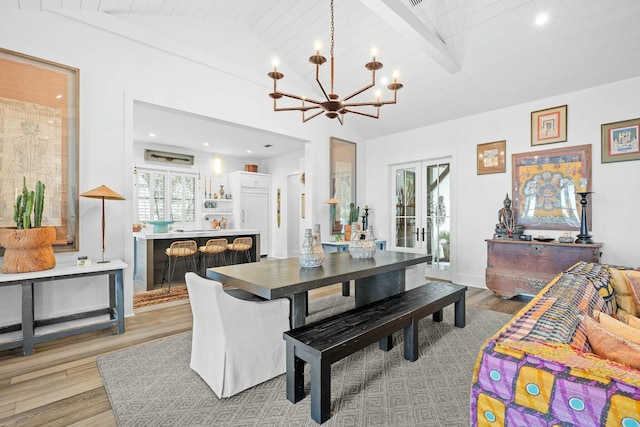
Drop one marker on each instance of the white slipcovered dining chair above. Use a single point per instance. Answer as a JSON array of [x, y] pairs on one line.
[[236, 343]]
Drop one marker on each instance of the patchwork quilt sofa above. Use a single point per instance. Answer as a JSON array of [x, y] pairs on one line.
[[570, 357]]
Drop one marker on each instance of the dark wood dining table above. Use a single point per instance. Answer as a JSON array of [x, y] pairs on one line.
[[375, 278]]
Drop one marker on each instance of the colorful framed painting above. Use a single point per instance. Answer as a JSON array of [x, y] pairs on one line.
[[620, 141], [545, 184], [39, 119], [549, 126], [491, 157]]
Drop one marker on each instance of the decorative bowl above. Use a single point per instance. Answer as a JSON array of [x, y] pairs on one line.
[[311, 259], [160, 226], [361, 249]]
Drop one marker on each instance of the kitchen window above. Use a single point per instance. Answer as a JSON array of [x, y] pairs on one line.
[[165, 195]]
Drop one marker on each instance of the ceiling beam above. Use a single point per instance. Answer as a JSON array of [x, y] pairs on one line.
[[403, 20]]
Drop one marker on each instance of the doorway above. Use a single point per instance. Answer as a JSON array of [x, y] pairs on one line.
[[421, 212]]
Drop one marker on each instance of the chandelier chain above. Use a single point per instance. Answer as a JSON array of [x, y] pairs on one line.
[[332, 30]]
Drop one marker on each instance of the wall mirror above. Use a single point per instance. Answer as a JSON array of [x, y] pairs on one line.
[[343, 182]]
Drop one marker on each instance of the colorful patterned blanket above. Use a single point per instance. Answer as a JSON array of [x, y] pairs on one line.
[[538, 370]]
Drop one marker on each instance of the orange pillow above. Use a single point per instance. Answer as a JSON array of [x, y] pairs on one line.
[[633, 321], [634, 286], [618, 328], [622, 291], [609, 346]]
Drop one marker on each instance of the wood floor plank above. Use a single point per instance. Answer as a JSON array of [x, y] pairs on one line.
[[60, 384]]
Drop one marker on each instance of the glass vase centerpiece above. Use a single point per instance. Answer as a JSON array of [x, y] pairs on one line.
[[362, 244], [311, 252]]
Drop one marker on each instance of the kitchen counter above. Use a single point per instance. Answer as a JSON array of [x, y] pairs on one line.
[[149, 251], [190, 234]]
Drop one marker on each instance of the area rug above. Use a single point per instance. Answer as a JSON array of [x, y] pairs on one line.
[[159, 296], [152, 385]]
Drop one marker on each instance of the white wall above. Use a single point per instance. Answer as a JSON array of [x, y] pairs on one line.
[[479, 197], [115, 71]]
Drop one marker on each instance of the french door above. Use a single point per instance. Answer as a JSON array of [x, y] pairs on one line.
[[421, 209]]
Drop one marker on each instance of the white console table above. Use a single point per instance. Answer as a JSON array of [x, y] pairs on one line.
[[40, 330]]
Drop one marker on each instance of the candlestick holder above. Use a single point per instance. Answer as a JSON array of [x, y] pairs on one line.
[[584, 236]]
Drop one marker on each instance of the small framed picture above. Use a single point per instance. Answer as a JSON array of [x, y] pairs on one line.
[[620, 141], [491, 157], [549, 126]]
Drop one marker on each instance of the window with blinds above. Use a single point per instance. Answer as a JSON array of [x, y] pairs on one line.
[[166, 195]]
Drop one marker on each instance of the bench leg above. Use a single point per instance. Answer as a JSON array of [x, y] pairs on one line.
[[386, 343], [411, 341], [320, 390], [295, 376], [460, 312], [438, 316]]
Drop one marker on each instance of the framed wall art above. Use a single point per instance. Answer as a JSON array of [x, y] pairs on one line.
[[620, 141], [549, 126], [545, 184], [491, 157], [39, 140]]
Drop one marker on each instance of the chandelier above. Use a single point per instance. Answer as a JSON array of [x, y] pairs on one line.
[[332, 105]]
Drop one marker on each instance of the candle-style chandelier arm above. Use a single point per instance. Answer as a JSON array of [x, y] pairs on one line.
[[326, 96], [360, 113], [364, 89]]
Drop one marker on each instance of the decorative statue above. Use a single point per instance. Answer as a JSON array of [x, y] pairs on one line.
[[506, 226]]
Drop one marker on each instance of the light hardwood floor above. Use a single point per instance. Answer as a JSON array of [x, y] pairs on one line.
[[60, 384]]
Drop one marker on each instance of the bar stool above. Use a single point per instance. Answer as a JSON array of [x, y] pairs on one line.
[[240, 245], [185, 249], [215, 248]]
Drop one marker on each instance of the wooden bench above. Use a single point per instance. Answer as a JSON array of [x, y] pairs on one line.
[[329, 340]]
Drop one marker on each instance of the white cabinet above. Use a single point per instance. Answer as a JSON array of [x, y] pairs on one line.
[[252, 204]]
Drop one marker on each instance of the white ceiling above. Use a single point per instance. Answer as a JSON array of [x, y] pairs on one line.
[[456, 57], [180, 129]]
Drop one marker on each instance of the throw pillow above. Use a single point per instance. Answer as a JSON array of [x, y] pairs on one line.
[[622, 291], [617, 327], [634, 287], [608, 346], [630, 320], [600, 277], [549, 320]]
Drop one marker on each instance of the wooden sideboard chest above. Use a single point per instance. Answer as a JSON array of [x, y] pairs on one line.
[[518, 267]]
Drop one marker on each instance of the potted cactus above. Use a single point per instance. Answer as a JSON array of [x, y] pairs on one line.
[[28, 247], [353, 218]]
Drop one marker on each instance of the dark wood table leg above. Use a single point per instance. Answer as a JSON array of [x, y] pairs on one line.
[[298, 310], [346, 291], [438, 316], [28, 328], [374, 288], [460, 312], [116, 283]]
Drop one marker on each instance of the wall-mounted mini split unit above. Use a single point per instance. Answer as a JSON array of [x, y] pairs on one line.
[[166, 157]]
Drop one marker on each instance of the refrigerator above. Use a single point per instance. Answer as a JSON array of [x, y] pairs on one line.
[[254, 214]]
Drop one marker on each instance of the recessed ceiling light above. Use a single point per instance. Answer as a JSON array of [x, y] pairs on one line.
[[249, 151], [206, 144], [152, 135], [542, 19]]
